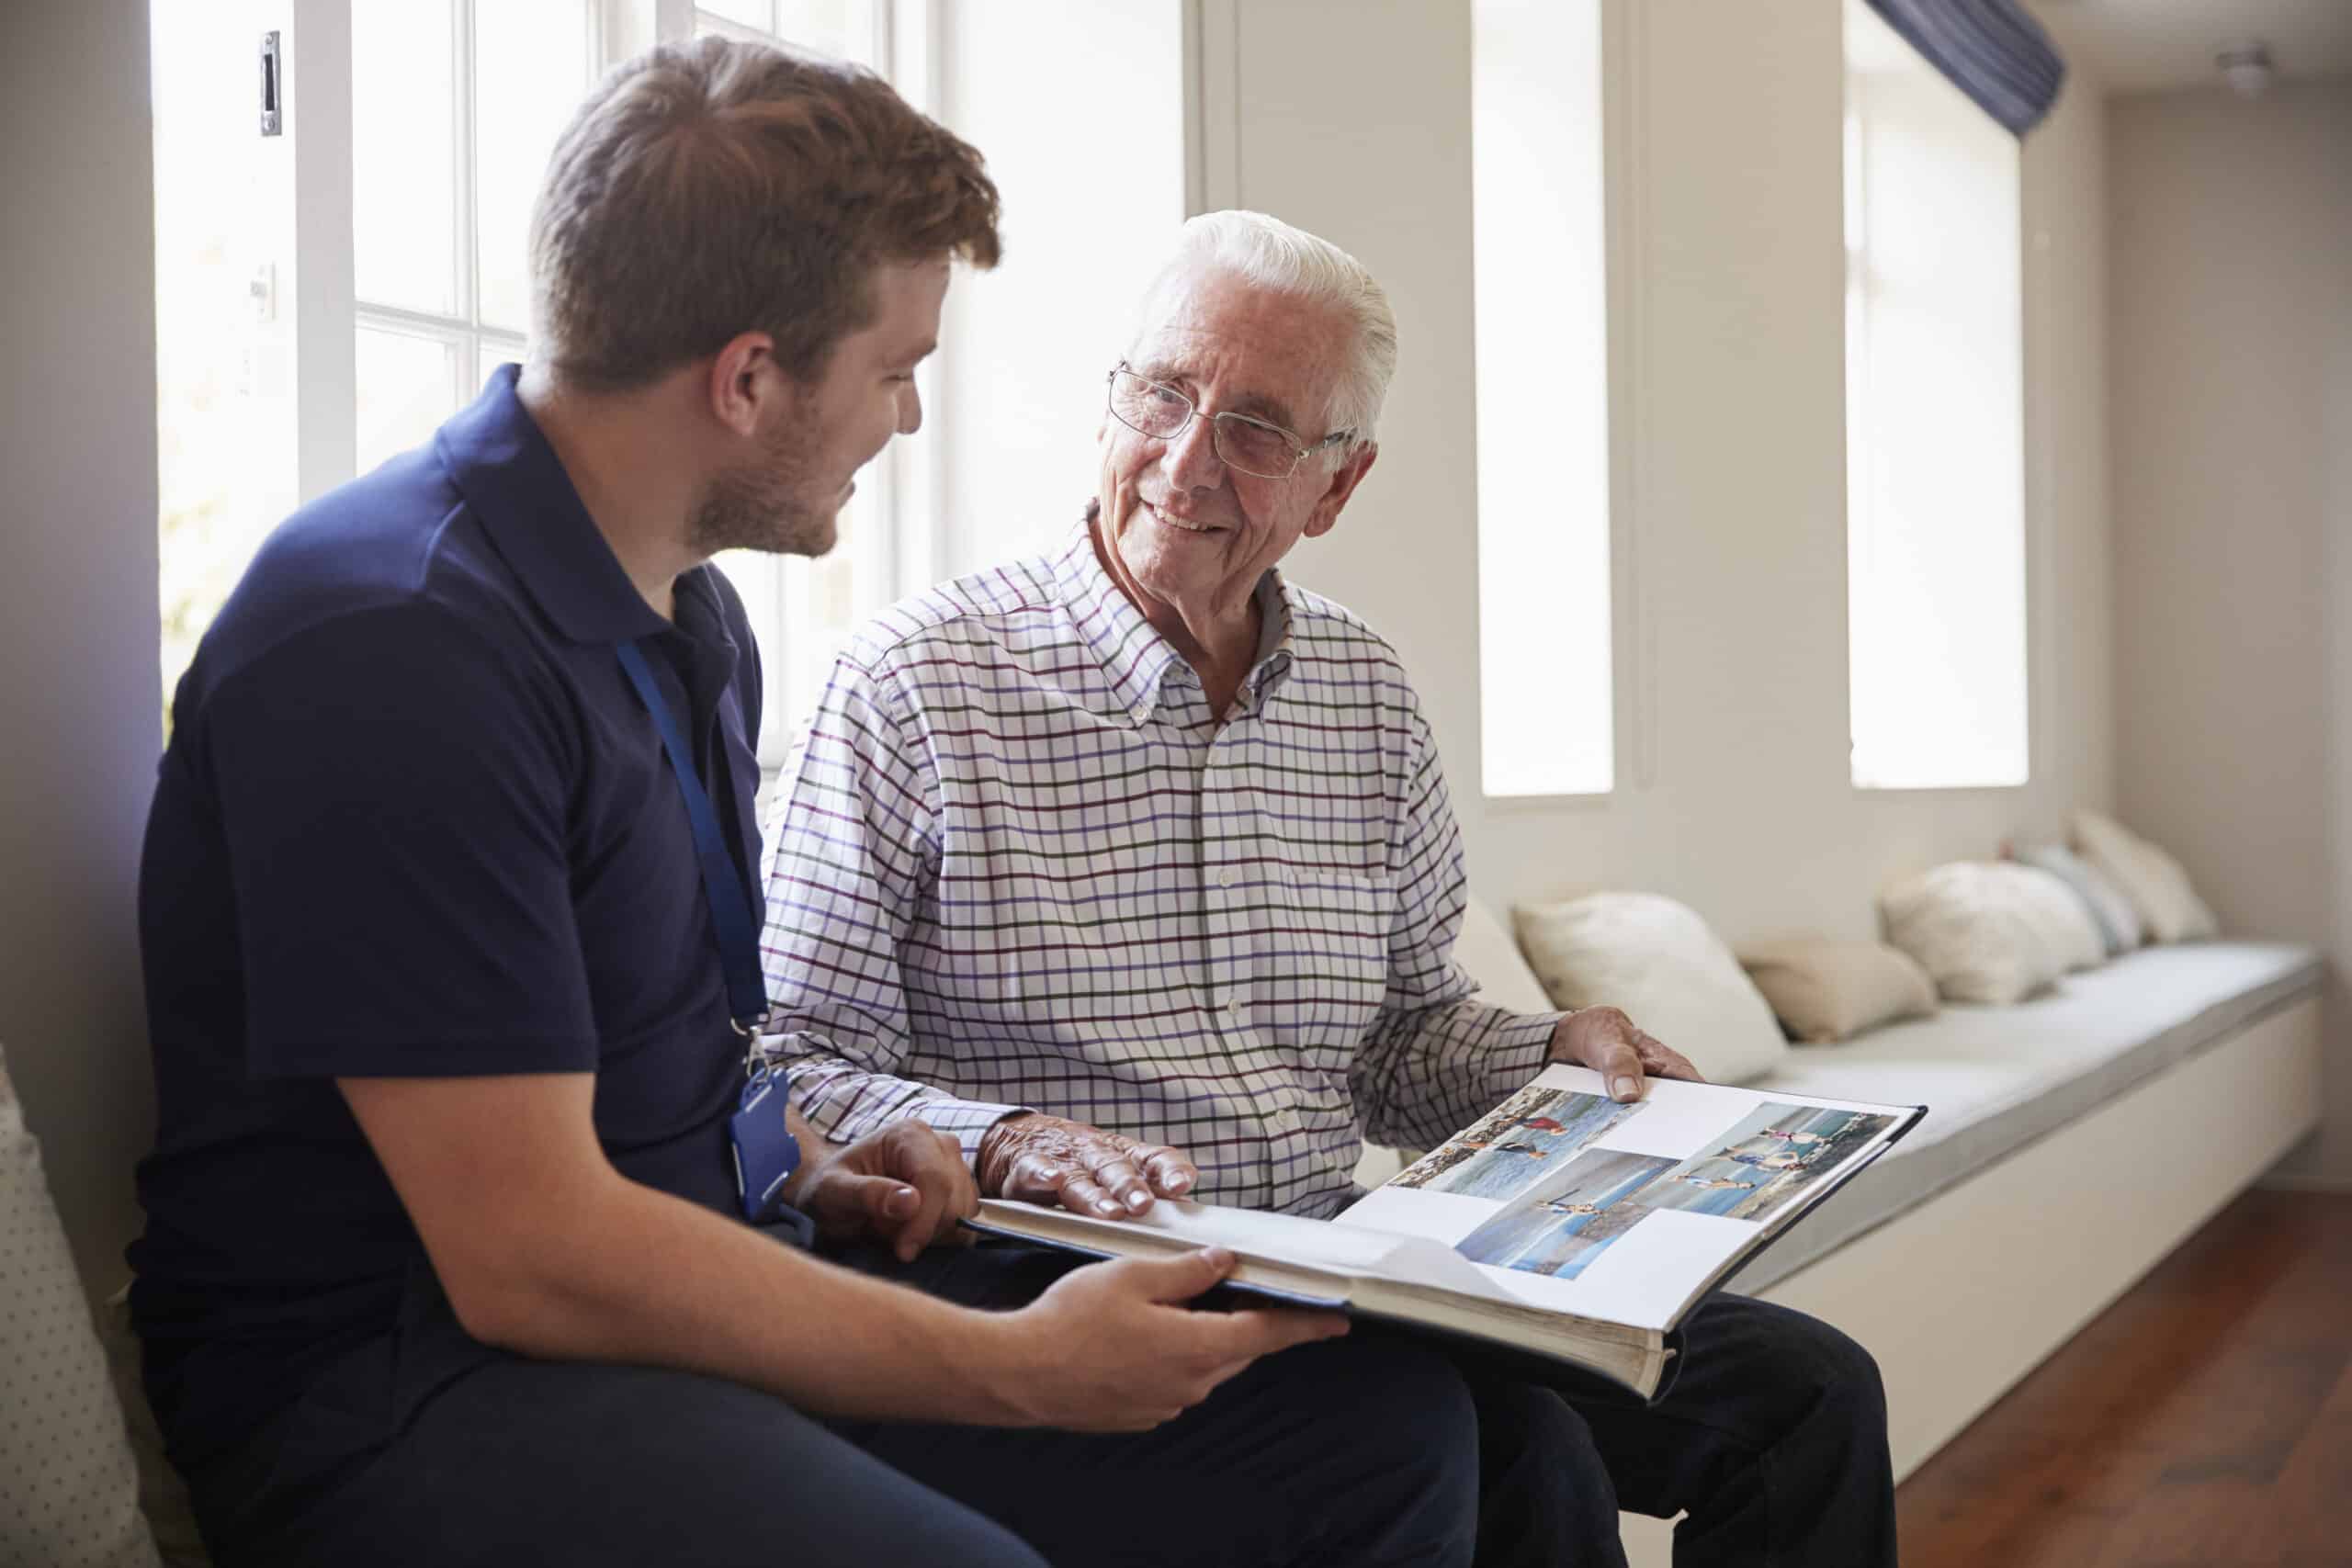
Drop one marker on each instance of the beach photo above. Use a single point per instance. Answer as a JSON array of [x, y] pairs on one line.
[[1569, 1217], [1775, 1154], [1531, 1134]]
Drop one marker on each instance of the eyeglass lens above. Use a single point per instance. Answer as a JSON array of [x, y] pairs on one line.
[[1162, 413]]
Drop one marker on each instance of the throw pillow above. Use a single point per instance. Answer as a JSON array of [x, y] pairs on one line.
[[2119, 922], [2159, 889], [2061, 923], [1657, 960], [1966, 926], [1826, 991]]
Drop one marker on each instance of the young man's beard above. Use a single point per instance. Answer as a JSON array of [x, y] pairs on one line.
[[769, 505]]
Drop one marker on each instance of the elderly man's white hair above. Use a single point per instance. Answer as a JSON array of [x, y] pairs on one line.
[[1272, 255]]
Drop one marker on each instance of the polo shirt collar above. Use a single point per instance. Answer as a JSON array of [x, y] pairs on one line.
[[502, 464], [1134, 658]]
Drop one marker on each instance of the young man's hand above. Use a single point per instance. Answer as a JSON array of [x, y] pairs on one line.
[[905, 1186], [1112, 1347]]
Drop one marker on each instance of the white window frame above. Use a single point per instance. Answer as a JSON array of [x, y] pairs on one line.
[[462, 329], [327, 312], [896, 546]]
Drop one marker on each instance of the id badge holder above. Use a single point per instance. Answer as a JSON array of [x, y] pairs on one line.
[[766, 1154]]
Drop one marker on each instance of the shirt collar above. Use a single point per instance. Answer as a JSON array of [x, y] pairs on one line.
[[1134, 658], [1277, 606], [503, 465]]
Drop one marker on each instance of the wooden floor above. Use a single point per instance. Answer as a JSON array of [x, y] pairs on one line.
[[2205, 1419]]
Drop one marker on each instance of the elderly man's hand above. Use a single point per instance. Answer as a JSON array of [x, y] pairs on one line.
[[1044, 1159], [1611, 1043], [906, 1185]]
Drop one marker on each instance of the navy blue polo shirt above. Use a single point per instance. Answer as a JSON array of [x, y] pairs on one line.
[[414, 822]]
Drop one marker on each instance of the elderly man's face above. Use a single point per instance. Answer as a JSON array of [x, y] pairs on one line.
[[1200, 534]]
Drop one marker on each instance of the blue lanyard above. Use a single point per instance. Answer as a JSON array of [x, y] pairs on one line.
[[731, 902]]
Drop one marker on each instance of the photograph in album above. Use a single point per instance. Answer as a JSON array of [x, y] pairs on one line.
[[1516, 1145], [1569, 1218], [1770, 1157]]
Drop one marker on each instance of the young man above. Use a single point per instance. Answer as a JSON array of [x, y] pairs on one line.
[[468, 1239]]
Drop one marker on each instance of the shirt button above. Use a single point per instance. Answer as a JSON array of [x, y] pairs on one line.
[[1233, 1006], [1225, 877]]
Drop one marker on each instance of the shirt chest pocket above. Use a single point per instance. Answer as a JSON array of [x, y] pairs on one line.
[[1329, 959]]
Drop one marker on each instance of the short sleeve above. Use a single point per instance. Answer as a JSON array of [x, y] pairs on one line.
[[392, 788]]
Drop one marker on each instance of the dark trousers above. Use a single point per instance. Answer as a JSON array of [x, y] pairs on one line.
[[428, 1447], [1772, 1442]]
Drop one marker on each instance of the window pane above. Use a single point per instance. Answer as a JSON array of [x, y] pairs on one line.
[[225, 452], [756, 14], [1018, 391], [1935, 428], [489, 352], [407, 386], [822, 604], [843, 29], [404, 204], [758, 577], [803, 611], [840, 28], [530, 71], [1537, 230]]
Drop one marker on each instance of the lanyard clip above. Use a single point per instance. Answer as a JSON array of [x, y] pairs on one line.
[[755, 1055], [759, 1060]]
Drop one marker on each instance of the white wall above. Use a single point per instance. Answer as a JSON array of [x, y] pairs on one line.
[[78, 654], [1734, 789], [2231, 291]]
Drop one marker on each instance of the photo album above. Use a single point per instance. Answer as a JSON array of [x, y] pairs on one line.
[[1561, 1225]]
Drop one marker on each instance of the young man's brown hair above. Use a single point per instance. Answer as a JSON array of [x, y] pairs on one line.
[[719, 187]]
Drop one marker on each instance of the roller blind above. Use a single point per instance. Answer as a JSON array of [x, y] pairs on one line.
[[1990, 49]]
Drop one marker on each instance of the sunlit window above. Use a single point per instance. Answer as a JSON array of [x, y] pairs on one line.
[[295, 353], [1538, 234], [454, 106], [1934, 426], [223, 470]]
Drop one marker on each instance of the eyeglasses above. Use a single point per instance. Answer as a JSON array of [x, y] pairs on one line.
[[1245, 444]]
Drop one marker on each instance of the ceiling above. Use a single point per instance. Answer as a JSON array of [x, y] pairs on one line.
[[2134, 46]]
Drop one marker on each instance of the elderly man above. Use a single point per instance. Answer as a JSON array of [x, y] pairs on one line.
[[1132, 867]]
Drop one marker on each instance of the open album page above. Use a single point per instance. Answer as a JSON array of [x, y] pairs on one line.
[[1566, 1200]]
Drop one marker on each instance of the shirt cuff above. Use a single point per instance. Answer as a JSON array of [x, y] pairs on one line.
[[966, 1121], [1520, 1047]]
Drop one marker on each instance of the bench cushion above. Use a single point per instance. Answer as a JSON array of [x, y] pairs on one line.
[[1995, 1078], [69, 1494]]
